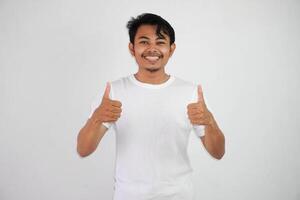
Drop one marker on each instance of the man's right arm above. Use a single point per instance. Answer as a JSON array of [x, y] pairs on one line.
[[92, 132], [89, 137]]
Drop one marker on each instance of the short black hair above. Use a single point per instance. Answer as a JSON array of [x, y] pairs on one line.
[[150, 19]]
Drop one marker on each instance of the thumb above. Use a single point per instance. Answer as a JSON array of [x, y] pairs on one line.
[[200, 94], [107, 90]]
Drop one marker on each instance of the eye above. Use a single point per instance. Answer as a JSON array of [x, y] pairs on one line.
[[143, 42], [160, 42]]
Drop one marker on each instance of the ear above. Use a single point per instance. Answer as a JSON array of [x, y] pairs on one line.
[[131, 48], [172, 49]]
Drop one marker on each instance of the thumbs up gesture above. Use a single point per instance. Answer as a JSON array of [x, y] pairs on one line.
[[198, 112], [109, 110]]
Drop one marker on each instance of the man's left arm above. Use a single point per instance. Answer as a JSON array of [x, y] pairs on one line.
[[213, 140]]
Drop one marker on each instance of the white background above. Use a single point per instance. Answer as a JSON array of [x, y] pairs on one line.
[[56, 56]]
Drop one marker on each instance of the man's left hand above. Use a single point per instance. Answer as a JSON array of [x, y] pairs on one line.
[[198, 112]]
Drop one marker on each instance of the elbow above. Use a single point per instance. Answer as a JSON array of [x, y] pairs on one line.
[[219, 156], [221, 151], [82, 153]]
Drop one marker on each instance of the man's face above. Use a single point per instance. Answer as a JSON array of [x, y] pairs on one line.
[[151, 52]]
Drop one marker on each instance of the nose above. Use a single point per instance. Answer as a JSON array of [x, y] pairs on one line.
[[152, 47], [152, 44]]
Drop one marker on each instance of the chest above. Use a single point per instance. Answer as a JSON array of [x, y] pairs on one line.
[[153, 110]]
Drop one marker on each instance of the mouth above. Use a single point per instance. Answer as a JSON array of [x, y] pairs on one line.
[[152, 59]]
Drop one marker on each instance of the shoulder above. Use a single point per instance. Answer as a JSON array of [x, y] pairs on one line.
[[180, 82], [190, 88], [120, 85], [120, 81]]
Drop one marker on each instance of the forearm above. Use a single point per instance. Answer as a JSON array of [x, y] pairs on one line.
[[214, 139], [89, 137]]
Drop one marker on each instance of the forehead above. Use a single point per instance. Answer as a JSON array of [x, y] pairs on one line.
[[148, 31]]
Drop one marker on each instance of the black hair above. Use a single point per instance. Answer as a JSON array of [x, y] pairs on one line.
[[150, 19]]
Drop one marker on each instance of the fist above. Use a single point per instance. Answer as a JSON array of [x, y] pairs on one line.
[[197, 112], [109, 110]]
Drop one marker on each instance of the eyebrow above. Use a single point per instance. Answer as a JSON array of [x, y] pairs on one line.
[[158, 38]]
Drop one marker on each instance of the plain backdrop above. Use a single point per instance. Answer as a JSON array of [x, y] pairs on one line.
[[56, 56]]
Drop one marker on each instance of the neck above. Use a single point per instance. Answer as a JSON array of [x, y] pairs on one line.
[[157, 77]]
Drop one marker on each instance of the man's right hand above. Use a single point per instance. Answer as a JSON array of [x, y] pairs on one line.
[[109, 110]]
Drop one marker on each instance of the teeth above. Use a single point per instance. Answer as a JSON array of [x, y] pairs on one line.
[[152, 58]]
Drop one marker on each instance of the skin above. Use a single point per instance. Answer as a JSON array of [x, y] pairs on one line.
[[147, 43], [151, 54]]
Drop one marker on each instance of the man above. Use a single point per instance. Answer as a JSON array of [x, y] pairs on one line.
[[152, 114]]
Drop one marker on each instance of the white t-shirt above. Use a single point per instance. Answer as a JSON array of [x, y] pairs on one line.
[[152, 137]]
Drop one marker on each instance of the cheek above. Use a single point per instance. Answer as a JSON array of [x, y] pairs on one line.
[[165, 51], [138, 52]]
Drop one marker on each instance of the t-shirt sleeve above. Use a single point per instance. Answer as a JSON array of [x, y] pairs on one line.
[[199, 130], [97, 101]]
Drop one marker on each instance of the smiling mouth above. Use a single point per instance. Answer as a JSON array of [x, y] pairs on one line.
[[152, 59]]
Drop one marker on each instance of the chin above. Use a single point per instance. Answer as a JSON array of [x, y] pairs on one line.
[[152, 68]]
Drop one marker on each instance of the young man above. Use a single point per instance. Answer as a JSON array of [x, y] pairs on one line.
[[152, 114]]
